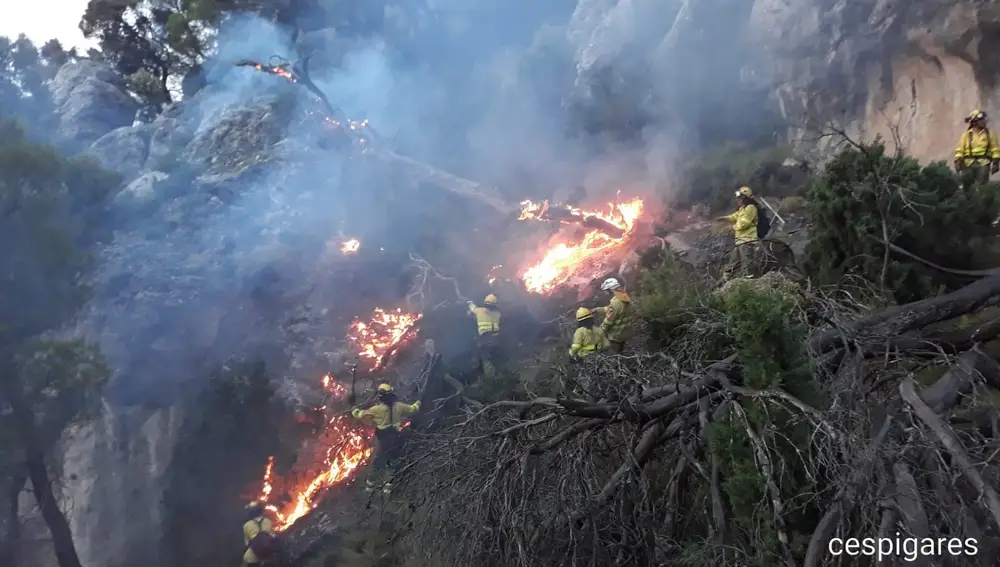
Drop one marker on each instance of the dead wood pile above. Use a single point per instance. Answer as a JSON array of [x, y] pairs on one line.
[[632, 473]]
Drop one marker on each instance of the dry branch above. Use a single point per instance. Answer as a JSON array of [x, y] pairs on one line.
[[946, 436], [905, 318]]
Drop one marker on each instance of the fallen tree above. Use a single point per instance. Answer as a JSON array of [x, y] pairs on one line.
[[760, 458]]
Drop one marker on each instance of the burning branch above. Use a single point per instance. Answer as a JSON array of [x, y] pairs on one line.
[[567, 259], [383, 334]]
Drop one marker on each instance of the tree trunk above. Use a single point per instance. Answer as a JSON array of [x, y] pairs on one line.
[[38, 474], [10, 537]]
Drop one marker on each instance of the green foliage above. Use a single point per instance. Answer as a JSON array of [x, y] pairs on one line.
[[23, 72], [668, 297], [714, 178], [49, 207], [63, 382], [501, 386], [864, 186], [767, 331]]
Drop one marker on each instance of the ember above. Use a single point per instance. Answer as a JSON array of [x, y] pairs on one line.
[[566, 260], [350, 246], [382, 334]]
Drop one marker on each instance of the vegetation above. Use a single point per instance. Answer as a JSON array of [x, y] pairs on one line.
[[712, 179], [741, 431], [866, 197], [234, 424], [48, 384]]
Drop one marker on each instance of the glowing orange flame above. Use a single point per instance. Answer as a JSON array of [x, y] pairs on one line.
[[344, 445], [564, 261], [350, 246], [279, 71], [383, 333]]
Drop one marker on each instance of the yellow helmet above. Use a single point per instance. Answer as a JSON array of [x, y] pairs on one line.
[[745, 192], [490, 299], [583, 313], [384, 388], [975, 116]]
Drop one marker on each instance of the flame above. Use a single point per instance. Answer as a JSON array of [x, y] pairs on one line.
[[353, 125], [565, 260], [344, 446], [350, 246], [383, 333], [275, 70]]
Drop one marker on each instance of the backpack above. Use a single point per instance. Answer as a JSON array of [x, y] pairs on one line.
[[763, 221], [265, 545]]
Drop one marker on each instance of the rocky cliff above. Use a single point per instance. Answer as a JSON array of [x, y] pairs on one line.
[[906, 71]]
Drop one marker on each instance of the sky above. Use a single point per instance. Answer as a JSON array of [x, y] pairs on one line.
[[47, 19]]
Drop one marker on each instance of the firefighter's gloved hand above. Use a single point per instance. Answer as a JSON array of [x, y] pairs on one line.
[[959, 165], [995, 166]]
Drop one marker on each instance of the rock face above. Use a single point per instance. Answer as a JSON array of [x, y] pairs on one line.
[[906, 72], [91, 101], [123, 150]]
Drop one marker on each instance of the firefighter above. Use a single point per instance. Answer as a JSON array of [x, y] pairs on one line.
[[618, 318], [387, 415], [488, 328], [586, 340], [744, 222], [977, 149], [256, 523]]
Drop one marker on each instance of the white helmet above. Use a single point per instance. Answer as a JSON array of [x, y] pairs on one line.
[[610, 284]]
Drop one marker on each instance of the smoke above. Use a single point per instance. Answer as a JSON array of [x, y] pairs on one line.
[[538, 99]]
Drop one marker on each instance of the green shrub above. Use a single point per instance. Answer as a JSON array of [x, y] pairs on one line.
[[767, 331], [668, 295], [862, 186]]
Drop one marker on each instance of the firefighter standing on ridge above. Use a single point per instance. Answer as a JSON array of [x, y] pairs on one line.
[[977, 149], [387, 415], [619, 322], [586, 339], [744, 222], [488, 326]]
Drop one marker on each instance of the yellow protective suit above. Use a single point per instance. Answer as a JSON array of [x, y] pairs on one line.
[[744, 222], [379, 414], [587, 341], [977, 147], [487, 320], [250, 530], [618, 318]]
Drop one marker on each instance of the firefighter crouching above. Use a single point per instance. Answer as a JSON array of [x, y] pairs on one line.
[[261, 547], [977, 150], [488, 328], [387, 415], [619, 320], [586, 340]]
